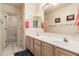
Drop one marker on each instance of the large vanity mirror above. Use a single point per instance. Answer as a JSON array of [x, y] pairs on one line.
[[36, 21]]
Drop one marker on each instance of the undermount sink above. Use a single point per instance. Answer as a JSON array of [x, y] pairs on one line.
[[60, 40], [53, 38], [37, 34]]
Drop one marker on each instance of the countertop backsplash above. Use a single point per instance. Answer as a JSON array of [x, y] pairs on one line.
[[34, 31]]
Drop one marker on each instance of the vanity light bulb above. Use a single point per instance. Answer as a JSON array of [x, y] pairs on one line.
[[55, 4]]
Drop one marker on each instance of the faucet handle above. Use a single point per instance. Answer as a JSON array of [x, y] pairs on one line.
[[65, 40], [37, 34]]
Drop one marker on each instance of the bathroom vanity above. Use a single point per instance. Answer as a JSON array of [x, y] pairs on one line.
[[41, 46]]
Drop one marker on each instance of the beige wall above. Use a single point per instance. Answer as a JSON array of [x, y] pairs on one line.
[[64, 27], [1, 30]]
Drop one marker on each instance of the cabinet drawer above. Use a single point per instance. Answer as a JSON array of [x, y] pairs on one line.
[[37, 47], [37, 42]]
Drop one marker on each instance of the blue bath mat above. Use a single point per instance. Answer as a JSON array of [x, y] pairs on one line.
[[23, 53]]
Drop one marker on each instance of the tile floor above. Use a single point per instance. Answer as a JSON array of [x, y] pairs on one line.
[[11, 49]]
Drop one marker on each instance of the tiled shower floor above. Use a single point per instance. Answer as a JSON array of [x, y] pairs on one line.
[[11, 49]]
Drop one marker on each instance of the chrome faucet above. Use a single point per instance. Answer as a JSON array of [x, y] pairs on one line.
[[37, 34], [65, 40]]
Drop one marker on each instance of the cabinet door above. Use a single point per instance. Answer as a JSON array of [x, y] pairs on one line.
[[47, 50], [62, 52], [38, 42], [27, 42], [31, 45], [37, 50]]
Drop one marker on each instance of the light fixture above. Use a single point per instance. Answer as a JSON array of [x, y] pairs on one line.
[[45, 5], [55, 4]]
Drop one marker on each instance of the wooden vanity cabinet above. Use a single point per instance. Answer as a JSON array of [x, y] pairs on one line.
[[62, 52], [40, 48], [47, 49]]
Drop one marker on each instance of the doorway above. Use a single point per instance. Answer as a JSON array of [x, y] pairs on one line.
[[12, 29], [11, 35]]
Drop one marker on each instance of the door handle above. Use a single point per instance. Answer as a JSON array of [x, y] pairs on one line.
[[5, 28]]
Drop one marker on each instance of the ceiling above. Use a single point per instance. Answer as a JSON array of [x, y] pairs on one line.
[[17, 5], [53, 8], [48, 9]]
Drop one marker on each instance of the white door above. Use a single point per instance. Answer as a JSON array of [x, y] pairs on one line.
[[12, 29]]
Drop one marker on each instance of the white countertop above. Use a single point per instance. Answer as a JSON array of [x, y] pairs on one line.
[[57, 40]]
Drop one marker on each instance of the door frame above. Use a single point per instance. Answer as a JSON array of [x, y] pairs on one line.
[[15, 15]]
